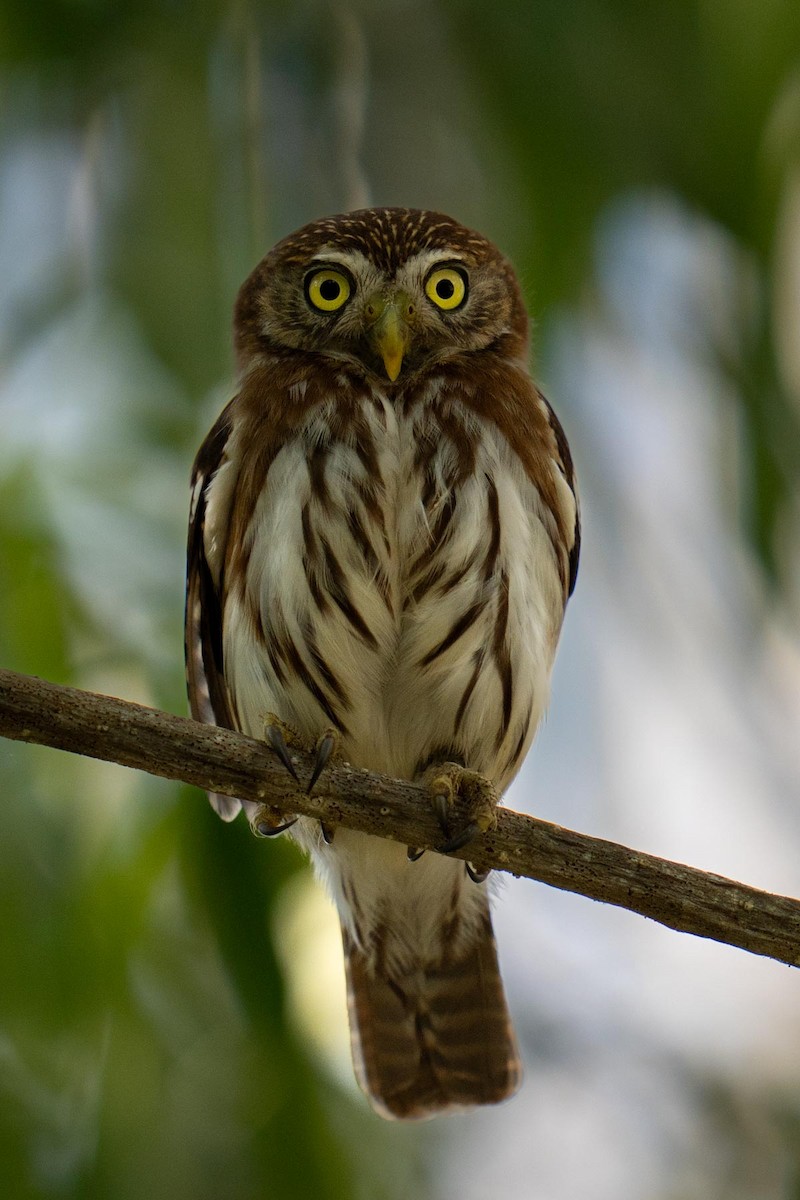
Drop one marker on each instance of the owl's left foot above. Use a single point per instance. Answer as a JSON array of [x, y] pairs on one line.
[[448, 781]]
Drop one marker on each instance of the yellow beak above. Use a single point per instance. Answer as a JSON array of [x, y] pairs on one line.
[[391, 336]]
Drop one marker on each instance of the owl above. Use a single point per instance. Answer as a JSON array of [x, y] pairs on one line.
[[384, 535]]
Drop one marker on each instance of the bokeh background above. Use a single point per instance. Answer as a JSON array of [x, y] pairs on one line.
[[171, 1003]]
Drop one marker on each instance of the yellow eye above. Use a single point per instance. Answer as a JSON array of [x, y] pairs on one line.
[[327, 290], [446, 287]]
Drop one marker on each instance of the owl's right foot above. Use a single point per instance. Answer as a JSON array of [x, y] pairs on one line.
[[282, 738], [327, 748], [268, 821], [279, 736]]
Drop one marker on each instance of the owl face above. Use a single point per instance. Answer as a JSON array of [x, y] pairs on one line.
[[389, 290]]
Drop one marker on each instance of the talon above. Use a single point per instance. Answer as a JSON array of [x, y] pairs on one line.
[[441, 806], [325, 748], [274, 737], [269, 822], [327, 832], [415, 853], [264, 829], [478, 797], [476, 876], [461, 839]]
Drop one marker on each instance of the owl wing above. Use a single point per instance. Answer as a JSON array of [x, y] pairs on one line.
[[209, 697], [563, 460]]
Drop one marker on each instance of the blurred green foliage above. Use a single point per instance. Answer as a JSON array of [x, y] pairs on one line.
[[150, 154]]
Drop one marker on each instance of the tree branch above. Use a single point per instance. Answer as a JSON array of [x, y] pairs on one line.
[[680, 897]]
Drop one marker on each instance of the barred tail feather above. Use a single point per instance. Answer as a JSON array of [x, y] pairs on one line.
[[437, 1039]]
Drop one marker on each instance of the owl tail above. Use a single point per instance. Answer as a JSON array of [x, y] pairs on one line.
[[435, 1039]]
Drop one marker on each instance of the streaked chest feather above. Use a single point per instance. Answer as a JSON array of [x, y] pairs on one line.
[[397, 580]]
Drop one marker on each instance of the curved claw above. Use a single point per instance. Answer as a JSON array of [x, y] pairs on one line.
[[328, 832], [415, 853], [441, 806], [476, 876], [325, 749], [275, 739], [264, 829], [461, 839]]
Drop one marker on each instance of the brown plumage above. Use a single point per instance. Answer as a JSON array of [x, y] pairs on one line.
[[384, 535]]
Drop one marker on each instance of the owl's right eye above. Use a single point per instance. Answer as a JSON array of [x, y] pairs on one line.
[[327, 290]]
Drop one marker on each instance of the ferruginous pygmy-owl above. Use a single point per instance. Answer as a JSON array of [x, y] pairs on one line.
[[384, 535]]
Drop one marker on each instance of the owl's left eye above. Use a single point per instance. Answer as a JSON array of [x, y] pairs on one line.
[[446, 287], [327, 290]]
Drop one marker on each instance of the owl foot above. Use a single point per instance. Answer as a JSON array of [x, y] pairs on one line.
[[446, 781], [283, 738], [476, 876], [327, 748], [269, 821], [279, 736]]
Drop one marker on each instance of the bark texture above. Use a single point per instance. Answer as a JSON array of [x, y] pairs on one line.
[[681, 897]]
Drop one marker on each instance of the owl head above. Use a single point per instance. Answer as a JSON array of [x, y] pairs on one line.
[[390, 290]]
